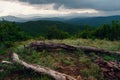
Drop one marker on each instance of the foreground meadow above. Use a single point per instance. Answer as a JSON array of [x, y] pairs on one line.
[[76, 64]]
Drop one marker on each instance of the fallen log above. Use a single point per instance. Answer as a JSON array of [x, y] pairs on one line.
[[39, 69], [39, 46], [97, 50]]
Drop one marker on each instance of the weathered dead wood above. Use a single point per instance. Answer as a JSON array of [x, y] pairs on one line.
[[110, 69], [40, 69], [6, 62], [39, 46], [97, 50]]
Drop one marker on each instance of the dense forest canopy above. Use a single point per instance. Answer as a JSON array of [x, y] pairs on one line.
[[10, 33], [107, 31]]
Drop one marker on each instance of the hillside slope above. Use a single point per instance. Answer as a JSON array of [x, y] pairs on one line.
[[40, 27]]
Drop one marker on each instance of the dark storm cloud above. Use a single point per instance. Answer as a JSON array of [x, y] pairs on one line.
[[105, 5]]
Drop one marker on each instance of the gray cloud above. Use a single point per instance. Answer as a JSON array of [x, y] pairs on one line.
[[104, 5], [60, 7]]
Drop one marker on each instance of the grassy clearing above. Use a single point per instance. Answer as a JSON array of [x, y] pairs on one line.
[[104, 44], [108, 45], [73, 64]]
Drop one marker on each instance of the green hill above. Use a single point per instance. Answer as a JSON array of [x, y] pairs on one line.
[[41, 26]]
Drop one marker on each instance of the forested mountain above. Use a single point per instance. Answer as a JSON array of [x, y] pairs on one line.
[[41, 26], [56, 29], [93, 21], [96, 27]]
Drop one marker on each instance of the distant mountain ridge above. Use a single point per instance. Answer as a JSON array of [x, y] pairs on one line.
[[13, 19], [93, 21], [18, 19]]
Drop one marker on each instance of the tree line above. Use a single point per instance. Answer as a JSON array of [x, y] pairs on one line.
[[10, 33], [106, 31]]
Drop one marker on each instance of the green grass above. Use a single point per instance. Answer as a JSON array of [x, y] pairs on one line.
[[17, 72], [104, 44], [92, 72], [108, 45], [111, 57], [56, 60], [2, 49]]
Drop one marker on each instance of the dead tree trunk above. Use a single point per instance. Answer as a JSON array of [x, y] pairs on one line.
[[97, 50], [39, 46], [40, 69]]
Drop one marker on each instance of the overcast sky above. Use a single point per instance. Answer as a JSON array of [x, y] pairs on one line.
[[53, 8]]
